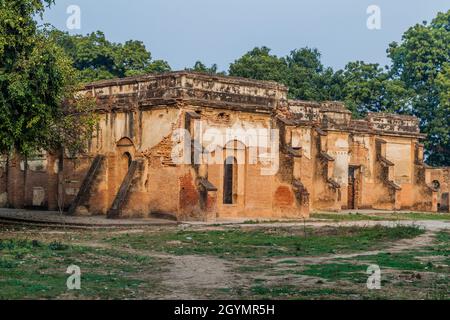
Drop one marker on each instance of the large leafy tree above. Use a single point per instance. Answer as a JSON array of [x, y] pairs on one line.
[[417, 82], [301, 71], [305, 76], [36, 77], [259, 64], [201, 67], [97, 58], [366, 87], [421, 61]]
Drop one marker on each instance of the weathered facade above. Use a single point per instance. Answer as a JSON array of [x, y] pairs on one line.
[[157, 150]]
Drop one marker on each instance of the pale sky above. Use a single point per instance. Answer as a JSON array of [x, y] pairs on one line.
[[220, 31]]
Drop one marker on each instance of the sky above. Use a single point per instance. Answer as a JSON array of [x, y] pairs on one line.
[[220, 31]]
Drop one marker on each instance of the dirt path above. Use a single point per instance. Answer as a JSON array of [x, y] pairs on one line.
[[187, 277], [399, 246], [191, 277], [430, 225]]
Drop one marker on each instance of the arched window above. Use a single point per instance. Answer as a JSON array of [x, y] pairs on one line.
[[229, 180]]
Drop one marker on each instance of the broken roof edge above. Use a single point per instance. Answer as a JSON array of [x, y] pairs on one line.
[[199, 75], [323, 106], [391, 115]]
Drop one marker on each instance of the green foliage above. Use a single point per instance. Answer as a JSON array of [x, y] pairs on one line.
[[97, 58], [307, 78], [270, 242], [301, 71], [337, 271], [35, 78], [421, 62], [382, 217], [201, 67], [417, 83], [368, 88], [261, 65], [34, 270]]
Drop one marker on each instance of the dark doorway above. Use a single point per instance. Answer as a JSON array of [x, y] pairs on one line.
[[126, 159], [353, 187], [228, 181]]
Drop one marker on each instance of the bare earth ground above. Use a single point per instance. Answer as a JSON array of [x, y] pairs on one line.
[[325, 258]]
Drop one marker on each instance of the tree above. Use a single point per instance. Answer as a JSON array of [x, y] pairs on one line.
[[97, 58], [301, 71], [366, 87], [36, 77], [201, 67], [259, 64], [306, 75], [420, 61]]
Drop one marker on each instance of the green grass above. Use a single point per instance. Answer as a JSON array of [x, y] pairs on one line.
[[381, 216], [337, 271], [267, 242], [345, 217], [400, 261], [260, 291], [421, 216], [428, 258], [31, 269]]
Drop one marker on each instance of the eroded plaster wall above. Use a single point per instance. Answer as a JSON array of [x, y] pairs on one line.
[[319, 146]]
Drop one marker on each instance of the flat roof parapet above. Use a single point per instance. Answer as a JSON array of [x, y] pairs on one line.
[[189, 74], [394, 123], [197, 89]]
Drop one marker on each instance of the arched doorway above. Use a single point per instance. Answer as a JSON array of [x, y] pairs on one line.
[[437, 186], [230, 177], [124, 156], [126, 159], [354, 185]]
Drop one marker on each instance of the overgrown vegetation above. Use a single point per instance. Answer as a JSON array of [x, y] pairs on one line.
[[32, 269], [270, 263], [36, 79], [380, 217], [267, 242], [417, 82], [421, 272]]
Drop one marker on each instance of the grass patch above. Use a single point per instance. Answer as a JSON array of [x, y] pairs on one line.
[[260, 291], [337, 271], [400, 261], [421, 216], [267, 242], [35, 270], [417, 260], [345, 217], [336, 217]]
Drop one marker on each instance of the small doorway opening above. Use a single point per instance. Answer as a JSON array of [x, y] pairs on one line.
[[437, 186], [353, 187], [230, 180], [126, 159]]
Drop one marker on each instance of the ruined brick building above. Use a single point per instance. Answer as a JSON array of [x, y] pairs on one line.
[[152, 153]]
